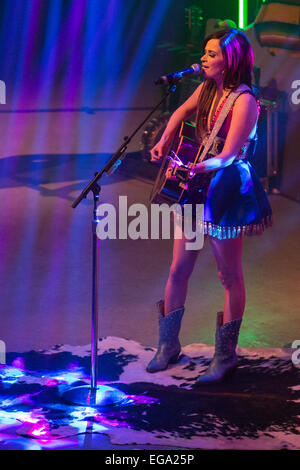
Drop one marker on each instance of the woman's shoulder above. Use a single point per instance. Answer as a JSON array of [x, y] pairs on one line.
[[247, 97], [245, 104], [244, 89]]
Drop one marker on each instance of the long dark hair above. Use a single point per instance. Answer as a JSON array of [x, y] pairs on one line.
[[239, 61]]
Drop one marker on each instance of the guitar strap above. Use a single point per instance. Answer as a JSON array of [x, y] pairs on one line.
[[220, 120]]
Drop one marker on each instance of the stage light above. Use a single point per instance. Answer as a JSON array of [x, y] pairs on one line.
[[243, 17]]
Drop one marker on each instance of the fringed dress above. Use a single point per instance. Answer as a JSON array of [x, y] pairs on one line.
[[235, 203]]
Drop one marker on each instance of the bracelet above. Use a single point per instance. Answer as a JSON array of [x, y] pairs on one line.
[[184, 173]]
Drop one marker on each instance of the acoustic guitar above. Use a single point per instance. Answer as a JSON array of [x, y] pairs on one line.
[[178, 188]]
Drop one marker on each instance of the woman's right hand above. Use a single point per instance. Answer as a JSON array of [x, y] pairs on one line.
[[159, 151]]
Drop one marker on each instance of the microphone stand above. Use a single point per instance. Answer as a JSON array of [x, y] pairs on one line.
[[94, 395]]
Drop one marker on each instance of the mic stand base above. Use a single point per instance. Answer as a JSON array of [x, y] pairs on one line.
[[87, 396]]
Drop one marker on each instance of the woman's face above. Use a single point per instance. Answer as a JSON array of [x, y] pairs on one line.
[[213, 63]]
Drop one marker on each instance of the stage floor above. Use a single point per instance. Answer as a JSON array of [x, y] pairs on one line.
[[257, 408]]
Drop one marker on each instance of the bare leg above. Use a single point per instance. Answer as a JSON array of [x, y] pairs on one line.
[[180, 271], [228, 254]]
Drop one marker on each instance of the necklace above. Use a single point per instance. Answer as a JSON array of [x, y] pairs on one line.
[[218, 110]]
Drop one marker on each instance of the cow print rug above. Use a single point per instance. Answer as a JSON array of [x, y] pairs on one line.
[[257, 408]]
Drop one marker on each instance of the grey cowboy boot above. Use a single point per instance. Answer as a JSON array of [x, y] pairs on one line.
[[225, 359], [169, 346]]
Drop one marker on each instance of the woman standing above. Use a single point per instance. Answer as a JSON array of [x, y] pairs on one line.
[[235, 203]]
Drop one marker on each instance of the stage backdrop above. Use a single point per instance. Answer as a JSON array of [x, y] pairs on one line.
[[86, 69], [97, 58]]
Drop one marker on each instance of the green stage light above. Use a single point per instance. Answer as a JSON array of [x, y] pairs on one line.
[[243, 10]]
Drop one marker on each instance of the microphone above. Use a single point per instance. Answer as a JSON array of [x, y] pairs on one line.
[[194, 69]]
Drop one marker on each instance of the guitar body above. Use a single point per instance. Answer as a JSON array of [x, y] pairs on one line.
[[171, 191]]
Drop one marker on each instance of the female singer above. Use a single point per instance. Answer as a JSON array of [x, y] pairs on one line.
[[235, 205]]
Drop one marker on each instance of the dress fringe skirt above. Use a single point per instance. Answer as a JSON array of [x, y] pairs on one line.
[[235, 203]]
